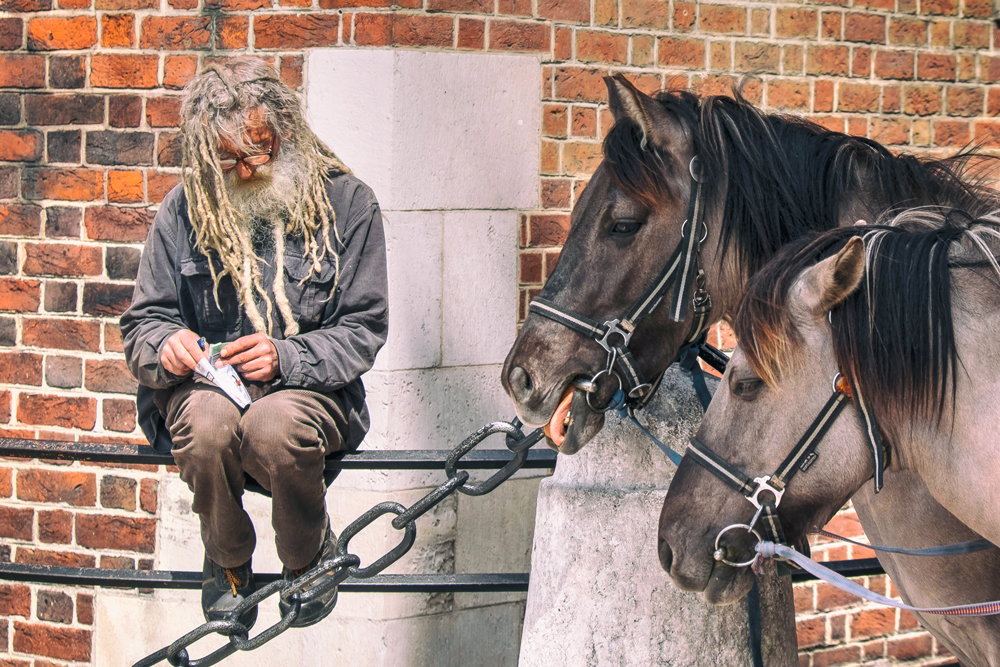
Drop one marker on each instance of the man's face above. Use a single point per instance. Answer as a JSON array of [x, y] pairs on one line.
[[255, 132]]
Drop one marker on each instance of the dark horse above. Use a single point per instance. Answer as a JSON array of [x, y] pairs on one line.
[[765, 180]]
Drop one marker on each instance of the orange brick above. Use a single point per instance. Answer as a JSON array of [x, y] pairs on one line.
[[682, 52], [872, 623], [965, 101], [125, 186], [55, 34], [581, 158], [827, 60], [516, 36], [940, 7], [810, 631], [788, 94], [297, 31], [922, 100], [684, 16], [936, 67], [118, 30], [572, 11], [21, 71], [864, 28], [894, 65], [886, 131], [907, 31], [858, 97], [123, 71], [178, 71], [163, 111], [580, 84], [584, 122], [910, 648], [757, 57], [232, 32], [471, 34], [655, 14]]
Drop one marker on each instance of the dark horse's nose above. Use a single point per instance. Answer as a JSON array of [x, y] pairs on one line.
[[520, 384]]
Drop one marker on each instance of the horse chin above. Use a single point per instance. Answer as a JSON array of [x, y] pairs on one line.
[[728, 585], [583, 425]]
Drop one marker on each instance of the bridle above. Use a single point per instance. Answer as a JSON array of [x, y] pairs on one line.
[[802, 456], [681, 270]]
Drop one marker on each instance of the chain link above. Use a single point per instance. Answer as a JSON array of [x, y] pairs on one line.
[[346, 564]]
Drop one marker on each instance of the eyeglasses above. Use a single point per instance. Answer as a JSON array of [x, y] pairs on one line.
[[255, 160]]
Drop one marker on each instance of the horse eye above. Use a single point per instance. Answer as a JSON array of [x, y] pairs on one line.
[[625, 227], [748, 389]]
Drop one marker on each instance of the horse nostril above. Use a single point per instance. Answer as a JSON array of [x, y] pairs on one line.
[[666, 555], [520, 383]]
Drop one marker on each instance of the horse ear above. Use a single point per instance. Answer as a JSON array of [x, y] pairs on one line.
[[835, 278], [627, 101]]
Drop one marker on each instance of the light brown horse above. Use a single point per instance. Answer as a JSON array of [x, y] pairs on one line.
[[911, 325]]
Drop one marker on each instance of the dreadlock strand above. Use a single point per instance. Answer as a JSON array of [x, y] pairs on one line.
[[280, 295]]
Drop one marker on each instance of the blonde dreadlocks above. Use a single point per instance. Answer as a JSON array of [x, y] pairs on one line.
[[219, 104]]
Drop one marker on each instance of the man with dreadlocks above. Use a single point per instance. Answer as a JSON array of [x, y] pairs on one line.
[[272, 246]]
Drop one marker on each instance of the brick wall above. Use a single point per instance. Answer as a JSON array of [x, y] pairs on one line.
[[89, 101]]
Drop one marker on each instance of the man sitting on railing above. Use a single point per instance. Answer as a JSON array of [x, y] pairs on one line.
[[272, 246]]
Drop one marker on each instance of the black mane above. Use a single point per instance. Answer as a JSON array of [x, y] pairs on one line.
[[893, 337], [784, 176]]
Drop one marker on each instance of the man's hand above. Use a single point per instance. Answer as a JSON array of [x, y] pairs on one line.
[[181, 353], [254, 357]]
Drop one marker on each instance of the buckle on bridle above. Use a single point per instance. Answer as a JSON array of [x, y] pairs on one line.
[[764, 484], [613, 328]]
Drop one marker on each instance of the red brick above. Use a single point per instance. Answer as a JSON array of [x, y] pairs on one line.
[[605, 13], [85, 608], [682, 52], [20, 220], [52, 641], [54, 34], [972, 34], [894, 65], [373, 29], [106, 299], [907, 32], [110, 223], [116, 532], [16, 522], [864, 28], [827, 60], [580, 85], [531, 268], [757, 57], [11, 34], [802, 594], [59, 259], [571, 11], [21, 145], [109, 376], [723, 20], [64, 411], [788, 94], [163, 111], [965, 101], [475, 6], [603, 47], [6, 474], [872, 623], [936, 67], [123, 71], [118, 492], [118, 30], [861, 62], [148, 493], [61, 334], [175, 33], [810, 632], [178, 71], [19, 295], [55, 526], [554, 120], [583, 122], [518, 36], [836, 656], [126, 4], [796, 22], [940, 7], [46, 557], [512, 7], [892, 99], [15, 599], [562, 49], [298, 31], [547, 230], [22, 71], [685, 14], [922, 101], [655, 14], [57, 486], [832, 25], [21, 368], [858, 97], [64, 184], [125, 187], [159, 184], [471, 34]]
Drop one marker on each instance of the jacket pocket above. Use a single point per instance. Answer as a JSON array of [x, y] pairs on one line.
[[310, 293], [226, 315]]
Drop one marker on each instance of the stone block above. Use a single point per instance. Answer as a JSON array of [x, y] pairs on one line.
[[431, 130], [413, 249], [478, 304]]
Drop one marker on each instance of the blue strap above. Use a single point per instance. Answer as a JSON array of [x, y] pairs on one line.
[[688, 360], [626, 412]]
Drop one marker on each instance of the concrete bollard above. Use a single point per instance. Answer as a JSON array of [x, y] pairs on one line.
[[598, 596]]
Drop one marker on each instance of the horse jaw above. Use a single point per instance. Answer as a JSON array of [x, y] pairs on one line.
[[581, 424]]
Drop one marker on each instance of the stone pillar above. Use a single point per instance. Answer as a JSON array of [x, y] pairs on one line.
[[598, 595]]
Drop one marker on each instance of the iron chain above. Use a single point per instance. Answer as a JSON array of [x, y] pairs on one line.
[[346, 564]]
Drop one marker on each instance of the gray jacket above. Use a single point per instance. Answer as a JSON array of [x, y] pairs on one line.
[[339, 333]]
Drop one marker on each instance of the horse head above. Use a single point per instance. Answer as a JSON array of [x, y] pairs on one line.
[[762, 409], [625, 227]]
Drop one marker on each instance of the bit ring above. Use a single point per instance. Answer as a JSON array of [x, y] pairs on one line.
[[720, 553]]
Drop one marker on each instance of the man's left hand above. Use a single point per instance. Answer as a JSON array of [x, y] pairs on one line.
[[254, 357]]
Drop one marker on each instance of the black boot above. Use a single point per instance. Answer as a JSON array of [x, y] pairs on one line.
[[223, 588], [315, 610]]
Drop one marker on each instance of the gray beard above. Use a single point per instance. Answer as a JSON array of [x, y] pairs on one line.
[[265, 199]]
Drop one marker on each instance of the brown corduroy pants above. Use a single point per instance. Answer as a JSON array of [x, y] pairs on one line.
[[280, 441]]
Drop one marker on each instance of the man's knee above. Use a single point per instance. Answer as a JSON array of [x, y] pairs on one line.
[[285, 425], [203, 423]]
